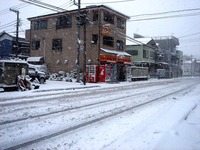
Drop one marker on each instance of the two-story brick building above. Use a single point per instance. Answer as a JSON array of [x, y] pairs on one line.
[[54, 37]]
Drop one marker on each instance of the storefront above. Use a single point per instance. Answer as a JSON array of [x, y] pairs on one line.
[[112, 67]]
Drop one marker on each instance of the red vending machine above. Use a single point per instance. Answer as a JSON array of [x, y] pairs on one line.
[[105, 73], [102, 75], [108, 76], [92, 73]]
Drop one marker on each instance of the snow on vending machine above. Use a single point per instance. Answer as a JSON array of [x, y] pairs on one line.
[[92, 73]]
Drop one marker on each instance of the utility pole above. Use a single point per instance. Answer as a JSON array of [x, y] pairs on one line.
[[78, 40], [17, 31], [84, 55]]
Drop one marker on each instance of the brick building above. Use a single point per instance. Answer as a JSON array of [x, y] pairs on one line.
[[54, 37]]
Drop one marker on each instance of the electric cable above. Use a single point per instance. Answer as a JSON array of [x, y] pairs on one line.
[[8, 24], [7, 10], [165, 17], [107, 2], [189, 35], [167, 12]]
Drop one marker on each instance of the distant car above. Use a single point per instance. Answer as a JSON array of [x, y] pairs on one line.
[[35, 74]]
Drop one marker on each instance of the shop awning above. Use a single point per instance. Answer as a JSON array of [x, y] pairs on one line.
[[118, 53], [115, 56]]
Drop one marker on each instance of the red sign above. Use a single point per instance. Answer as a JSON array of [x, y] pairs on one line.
[[113, 58], [107, 58]]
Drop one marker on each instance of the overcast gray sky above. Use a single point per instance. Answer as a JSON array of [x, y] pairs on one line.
[[180, 18]]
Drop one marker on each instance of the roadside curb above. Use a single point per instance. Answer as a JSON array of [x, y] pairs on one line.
[[63, 89]]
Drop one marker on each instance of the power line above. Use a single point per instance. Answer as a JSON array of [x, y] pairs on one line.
[[167, 12], [166, 17], [67, 5], [64, 6], [189, 35], [44, 5], [8, 24], [19, 6], [107, 2]]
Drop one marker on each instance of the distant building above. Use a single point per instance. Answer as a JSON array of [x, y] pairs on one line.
[[157, 53], [143, 52], [169, 53], [8, 47], [191, 66], [54, 37]]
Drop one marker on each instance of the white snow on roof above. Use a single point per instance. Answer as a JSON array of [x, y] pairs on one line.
[[33, 59], [115, 52], [13, 61], [139, 41]]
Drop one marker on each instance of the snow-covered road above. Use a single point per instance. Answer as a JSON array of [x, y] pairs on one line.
[[140, 115]]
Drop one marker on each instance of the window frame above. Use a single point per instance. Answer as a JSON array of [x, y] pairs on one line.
[[57, 44], [109, 41], [152, 55], [95, 15], [63, 22], [145, 54], [95, 39], [109, 17], [120, 23], [40, 24], [121, 45], [35, 45]]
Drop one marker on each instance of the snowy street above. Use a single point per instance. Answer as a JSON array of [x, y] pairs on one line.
[[155, 114]]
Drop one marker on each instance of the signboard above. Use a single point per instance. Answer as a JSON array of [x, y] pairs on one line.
[[108, 58], [106, 29]]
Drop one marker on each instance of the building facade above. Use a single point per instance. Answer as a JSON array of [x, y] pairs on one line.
[[143, 53], [171, 57], [54, 37], [8, 47], [191, 66]]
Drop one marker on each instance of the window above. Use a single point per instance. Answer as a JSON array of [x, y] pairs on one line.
[[133, 52], [95, 39], [120, 45], [41, 24], [145, 54], [120, 23], [95, 16], [109, 41], [64, 22], [152, 55], [35, 45], [108, 17], [57, 44]]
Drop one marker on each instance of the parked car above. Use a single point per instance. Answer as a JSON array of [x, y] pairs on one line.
[[35, 75]]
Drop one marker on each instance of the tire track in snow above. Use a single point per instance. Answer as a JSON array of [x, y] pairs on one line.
[[98, 119], [81, 106]]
